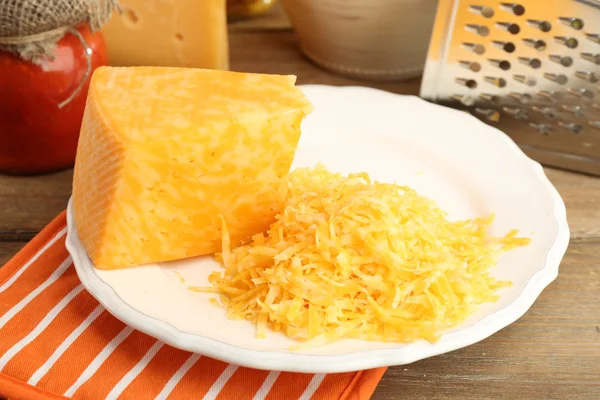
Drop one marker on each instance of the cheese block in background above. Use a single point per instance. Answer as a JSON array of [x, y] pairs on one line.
[[176, 33], [165, 152]]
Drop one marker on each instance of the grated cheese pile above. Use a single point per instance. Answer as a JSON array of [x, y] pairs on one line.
[[353, 258]]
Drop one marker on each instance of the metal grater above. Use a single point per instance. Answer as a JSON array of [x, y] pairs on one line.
[[530, 68]]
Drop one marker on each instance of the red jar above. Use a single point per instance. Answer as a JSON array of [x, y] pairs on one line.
[[36, 134]]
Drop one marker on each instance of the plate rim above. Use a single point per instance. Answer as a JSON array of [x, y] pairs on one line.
[[346, 362]]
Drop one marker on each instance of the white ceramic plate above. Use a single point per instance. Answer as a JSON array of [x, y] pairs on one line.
[[469, 168]]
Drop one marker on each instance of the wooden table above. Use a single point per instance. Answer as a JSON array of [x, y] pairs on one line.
[[552, 352]]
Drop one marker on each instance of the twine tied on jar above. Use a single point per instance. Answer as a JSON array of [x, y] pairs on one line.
[[31, 29]]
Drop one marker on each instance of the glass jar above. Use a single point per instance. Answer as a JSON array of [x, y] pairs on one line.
[[41, 106]]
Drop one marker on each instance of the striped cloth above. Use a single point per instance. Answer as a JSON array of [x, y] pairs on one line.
[[57, 341]]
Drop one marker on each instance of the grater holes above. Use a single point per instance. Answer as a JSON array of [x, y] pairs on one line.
[[481, 62], [594, 37], [595, 58], [567, 41], [496, 81], [587, 76], [557, 78], [527, 80], [513, 8], [480, 30], [502, 64], [534, 63], [543, 26], [522, 98], [516, 113], [572, 126], [565, 61], [537, 44], [581, 93], [544, 129], [489, 114], [549, 95], [484, 11], [508, 47], [546, 94], [464, 100], [547, 112], [474, 47], [575, 110], [595, 124], [470, 83], [471, 65], [509, 27], [575, 23], [489, 97]]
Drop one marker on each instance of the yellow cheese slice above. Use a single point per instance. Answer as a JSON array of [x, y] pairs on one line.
[[174, 33], [164, 153]]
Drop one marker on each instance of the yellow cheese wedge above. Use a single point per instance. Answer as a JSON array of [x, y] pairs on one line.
[[173, 33], [164, 153]]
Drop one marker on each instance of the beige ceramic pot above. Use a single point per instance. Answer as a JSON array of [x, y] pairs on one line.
[[368, 39]]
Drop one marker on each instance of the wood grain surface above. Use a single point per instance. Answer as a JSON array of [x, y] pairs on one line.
[[552, 352]]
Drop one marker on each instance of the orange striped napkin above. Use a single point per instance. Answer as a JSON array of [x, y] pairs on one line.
[[57, 341]]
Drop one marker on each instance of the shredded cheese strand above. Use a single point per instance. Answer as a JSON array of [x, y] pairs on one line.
[[349, 257]]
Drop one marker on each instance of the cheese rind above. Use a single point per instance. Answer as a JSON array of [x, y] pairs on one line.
[[165, 151], [176, 33]]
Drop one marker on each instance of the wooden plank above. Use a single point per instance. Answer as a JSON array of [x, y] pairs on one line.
[[28, 203], [278, 53], [581, 194], [8, 250], [552, 352], [275, 19]]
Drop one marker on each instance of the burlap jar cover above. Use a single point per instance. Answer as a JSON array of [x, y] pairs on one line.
[[31, 28]]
